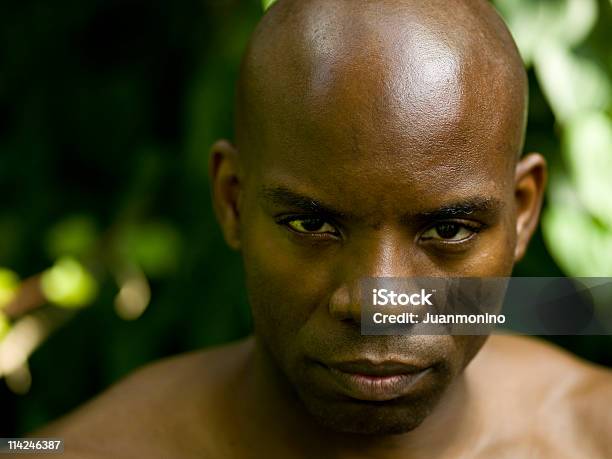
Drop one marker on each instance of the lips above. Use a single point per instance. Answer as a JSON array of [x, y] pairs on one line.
[[376, 381]]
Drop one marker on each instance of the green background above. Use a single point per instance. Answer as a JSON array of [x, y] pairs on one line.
[[107, 111]]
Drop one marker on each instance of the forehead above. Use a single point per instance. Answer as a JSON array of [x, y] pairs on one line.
[[369, 103], [366, 150], [374, 187]]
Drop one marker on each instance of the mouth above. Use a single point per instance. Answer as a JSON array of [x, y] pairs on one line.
[[376, 381]]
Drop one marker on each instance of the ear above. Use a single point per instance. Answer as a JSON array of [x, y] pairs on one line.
[[226, 185], [530, 180]]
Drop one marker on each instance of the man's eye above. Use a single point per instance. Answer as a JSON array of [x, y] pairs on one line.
[[310, 225], [450, 232]]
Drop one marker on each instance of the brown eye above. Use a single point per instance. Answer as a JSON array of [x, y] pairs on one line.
[[451, 232], [447, 230], [311, 226]]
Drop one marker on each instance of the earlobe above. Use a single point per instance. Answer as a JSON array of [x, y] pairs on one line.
[[530, 181], [226, 186]]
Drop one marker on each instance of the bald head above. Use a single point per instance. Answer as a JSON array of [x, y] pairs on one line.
[[380, 139], [425, 73]]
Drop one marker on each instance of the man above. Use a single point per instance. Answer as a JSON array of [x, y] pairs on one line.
[[373, 138]]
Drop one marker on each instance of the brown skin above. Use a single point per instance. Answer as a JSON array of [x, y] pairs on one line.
[[386, 112], [518, 398]]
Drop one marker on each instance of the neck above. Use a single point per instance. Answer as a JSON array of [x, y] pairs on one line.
[[273, 405]]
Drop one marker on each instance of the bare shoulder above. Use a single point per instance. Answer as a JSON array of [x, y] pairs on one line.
[[158, 409], [567, 399], [550, 371]]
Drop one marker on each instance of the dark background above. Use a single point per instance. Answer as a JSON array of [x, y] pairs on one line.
[[107, 111]]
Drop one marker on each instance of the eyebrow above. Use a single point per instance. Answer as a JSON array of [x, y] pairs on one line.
[[283, 196], [464, 208], [460, 209]]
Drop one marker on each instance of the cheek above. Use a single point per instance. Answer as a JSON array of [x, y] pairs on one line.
[[494, 255], [502, 246], [286, 283]]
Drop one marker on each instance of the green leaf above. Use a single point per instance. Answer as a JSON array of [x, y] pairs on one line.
[[542, 22], [74, 236], [576, 242], [9, 283], [267, 4], [5, 325], [587, 150], [68, 284], [155, 247], [571, 84]]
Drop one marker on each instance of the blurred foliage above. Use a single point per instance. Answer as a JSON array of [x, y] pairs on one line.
[[68, 284], [4, 325], [567, 42], [74, 236], [265, 4], [107, 111], [9, 283]]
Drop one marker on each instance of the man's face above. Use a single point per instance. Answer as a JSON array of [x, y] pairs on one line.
[[388, 152], [325, 210]]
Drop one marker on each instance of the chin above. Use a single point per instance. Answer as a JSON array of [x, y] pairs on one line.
[[370, 418]]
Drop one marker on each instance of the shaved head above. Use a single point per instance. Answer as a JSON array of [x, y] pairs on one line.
[[367, 134], [426, 72]]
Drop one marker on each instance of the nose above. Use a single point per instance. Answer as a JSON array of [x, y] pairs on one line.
[[387, 255]]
